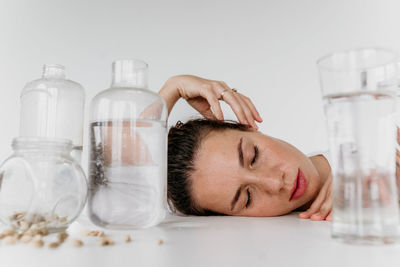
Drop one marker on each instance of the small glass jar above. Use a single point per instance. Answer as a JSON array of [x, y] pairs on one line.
[[41, 185]]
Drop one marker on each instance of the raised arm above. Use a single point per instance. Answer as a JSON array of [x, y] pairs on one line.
[[204, 95]]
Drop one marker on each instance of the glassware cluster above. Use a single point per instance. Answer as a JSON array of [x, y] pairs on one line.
[[42, 184]]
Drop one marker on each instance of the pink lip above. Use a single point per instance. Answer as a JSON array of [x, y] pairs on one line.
[[299, 187]]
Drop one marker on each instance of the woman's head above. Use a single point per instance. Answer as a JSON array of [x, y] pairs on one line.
[[226, 168]]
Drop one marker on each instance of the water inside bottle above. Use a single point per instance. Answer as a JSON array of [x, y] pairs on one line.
[[127, 173], [362, 146]]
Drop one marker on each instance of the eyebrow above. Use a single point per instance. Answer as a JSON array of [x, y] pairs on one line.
[[239, 190], [240, 151], [236, 197]]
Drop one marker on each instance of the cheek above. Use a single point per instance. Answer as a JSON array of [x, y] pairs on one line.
[[313, 186]]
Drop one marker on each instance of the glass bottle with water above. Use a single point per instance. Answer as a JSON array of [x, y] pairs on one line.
[[128, 151], [359, 99], [52, 107]]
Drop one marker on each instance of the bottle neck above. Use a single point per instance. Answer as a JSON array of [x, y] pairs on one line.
[[48, 145], [129, 73], [53, 71]]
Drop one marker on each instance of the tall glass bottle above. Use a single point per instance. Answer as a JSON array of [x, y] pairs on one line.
[[53, 107], [128, 151]]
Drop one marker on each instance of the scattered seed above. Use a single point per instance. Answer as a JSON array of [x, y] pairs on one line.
[[105, 241], [24, 226], [32, 232], [10, 240], [93, 233], [34, 227], [37, 218], [44, 232], [63, 219], [37, 237], [76, 243], [20, 216], [26, 239], [85, 232], [54, 245], [101, 234], [62, 236], [128, 238], [37, 243], [160, 242], [8, 232], [2, 235], [17, 216]]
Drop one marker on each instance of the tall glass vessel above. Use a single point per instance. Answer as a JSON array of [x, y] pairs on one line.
[[128, 151], [358, 88], [53, 107]]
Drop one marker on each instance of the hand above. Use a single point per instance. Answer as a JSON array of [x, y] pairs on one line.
[[203, 95], [321, 208]]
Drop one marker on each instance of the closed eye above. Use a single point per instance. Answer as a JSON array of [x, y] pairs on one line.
[[255, 156], [248, 199]]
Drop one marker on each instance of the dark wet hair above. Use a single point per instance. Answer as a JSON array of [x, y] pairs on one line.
[[184, 140]]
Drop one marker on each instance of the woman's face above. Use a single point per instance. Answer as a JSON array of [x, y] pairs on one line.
[[251, 174]]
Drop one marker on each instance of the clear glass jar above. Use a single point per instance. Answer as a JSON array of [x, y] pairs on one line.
[[53, 107], [128, 151], [41, 185]]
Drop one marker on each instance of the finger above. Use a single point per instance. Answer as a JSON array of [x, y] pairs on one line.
[[211, 97], [314, 208], [317, 217], [208, 114], [247, 111], [253, 109], [247, 101], [326, 208], [231, 100], [240, 110], [329, 217], [316, 205]]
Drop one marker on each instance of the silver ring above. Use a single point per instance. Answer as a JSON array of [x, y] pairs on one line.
[[223, 92]]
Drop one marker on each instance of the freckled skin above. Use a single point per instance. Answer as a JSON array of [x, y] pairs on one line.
[[269, 180]]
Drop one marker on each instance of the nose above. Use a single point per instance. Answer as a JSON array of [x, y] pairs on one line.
[[272, 182]]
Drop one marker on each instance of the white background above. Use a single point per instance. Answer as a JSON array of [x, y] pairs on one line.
[[266, 49]]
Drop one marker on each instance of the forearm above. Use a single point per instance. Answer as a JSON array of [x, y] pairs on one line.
[[170, 93]]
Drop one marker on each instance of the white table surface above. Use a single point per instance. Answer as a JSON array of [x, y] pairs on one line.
[[208, 241]]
